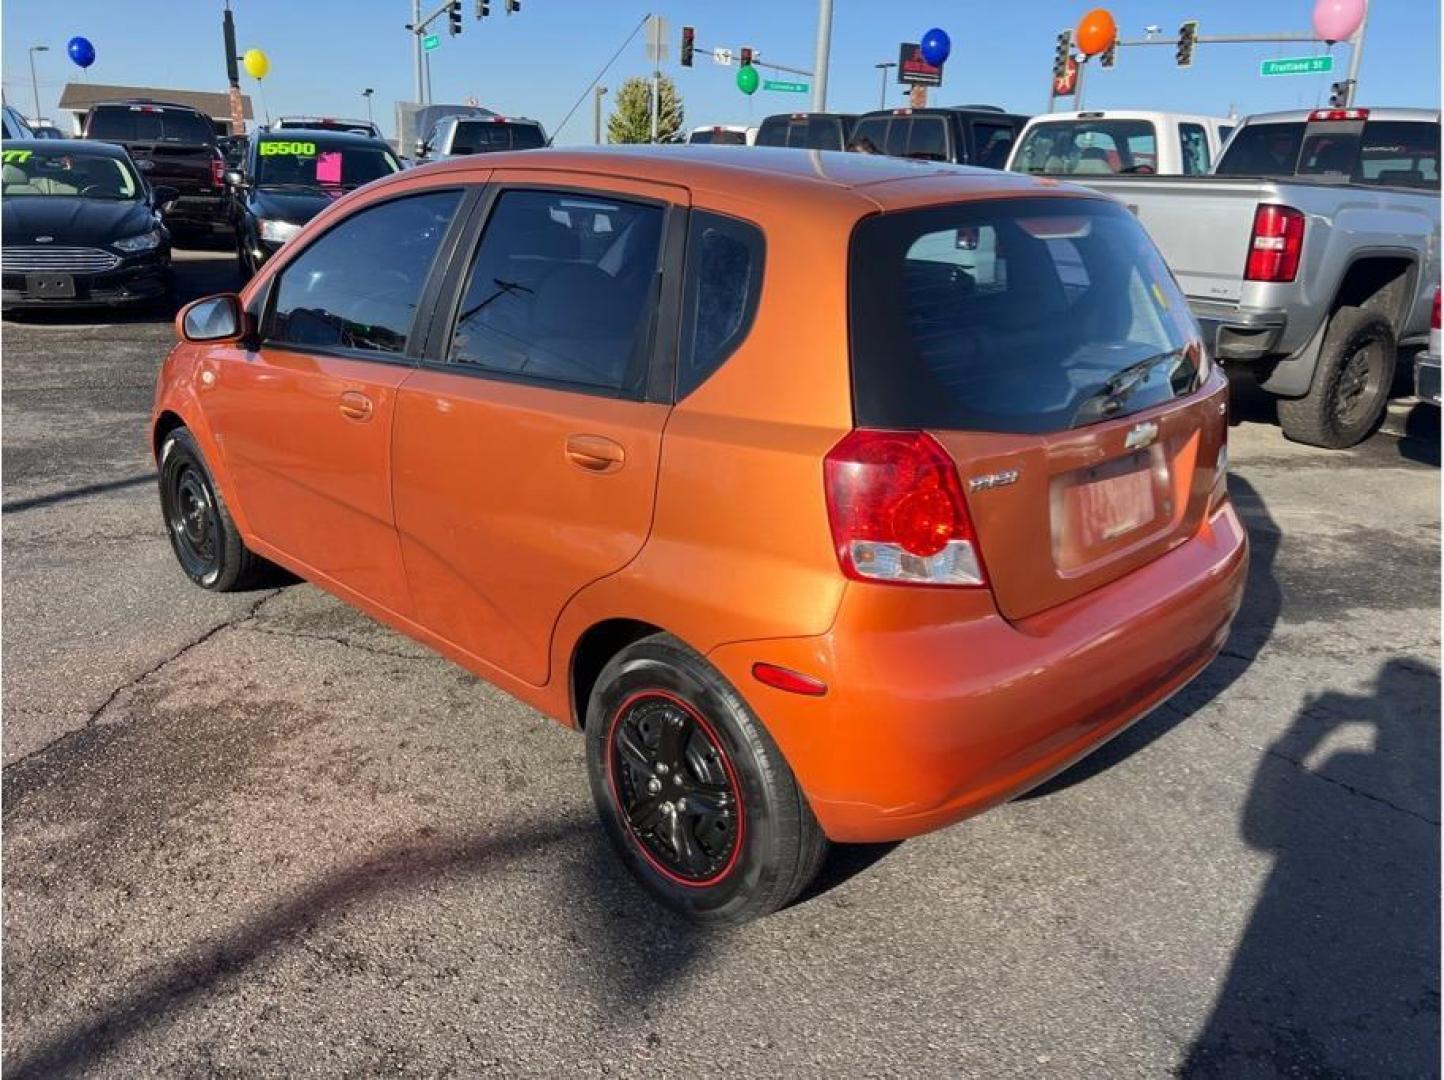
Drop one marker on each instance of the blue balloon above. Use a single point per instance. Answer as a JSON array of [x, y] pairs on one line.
[[936, 47], [81, 51]]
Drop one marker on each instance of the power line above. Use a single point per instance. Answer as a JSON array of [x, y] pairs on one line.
[[558, 129]]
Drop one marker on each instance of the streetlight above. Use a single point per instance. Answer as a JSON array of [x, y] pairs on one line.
[[882, 100], [597, 114], [367, 95], [34, 84]]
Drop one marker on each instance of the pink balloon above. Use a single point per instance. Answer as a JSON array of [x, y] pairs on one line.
[[1336, 20]]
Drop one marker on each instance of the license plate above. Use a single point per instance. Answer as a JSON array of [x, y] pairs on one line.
[[50, 286], [1115, 499]]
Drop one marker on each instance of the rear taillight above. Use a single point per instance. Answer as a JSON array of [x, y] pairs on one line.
[[1434, 319], [897, 511], [218, 172], [1277, 242]]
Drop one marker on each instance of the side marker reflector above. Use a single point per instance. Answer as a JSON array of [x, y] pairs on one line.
[[794, 682]]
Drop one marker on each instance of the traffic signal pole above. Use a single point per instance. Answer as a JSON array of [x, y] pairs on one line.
[[1356, 54], [819, 62]]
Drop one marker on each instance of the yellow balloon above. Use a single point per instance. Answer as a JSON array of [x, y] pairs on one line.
[[256, 63]]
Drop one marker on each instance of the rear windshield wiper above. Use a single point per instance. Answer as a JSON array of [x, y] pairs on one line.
[[1118, 388]]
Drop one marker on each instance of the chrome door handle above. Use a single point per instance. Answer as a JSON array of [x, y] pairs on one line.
[[355, 406], [595, 453]]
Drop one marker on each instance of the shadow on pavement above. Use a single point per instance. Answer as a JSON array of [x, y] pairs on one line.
[[1252, 628], [177, 985], [14, 506], [1337, 973], [1420, 439]]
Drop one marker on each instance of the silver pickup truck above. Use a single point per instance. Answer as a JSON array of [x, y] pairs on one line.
[[1310, 255]]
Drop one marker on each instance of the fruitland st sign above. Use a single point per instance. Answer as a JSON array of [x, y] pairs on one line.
[[1298, 65]]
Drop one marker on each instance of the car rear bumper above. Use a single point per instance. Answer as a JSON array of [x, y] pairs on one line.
[[128, 284], [1233, 333], [1426, 377], [930, 719], [198, 212]]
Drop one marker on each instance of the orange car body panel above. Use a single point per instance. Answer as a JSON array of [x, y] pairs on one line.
[[466, 523]]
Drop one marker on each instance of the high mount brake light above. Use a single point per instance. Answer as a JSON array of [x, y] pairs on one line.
[[897, 511], [1276, 244], [1338, 114]]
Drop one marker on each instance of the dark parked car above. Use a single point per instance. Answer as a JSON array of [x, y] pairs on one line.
[[963, 134], [233, 149], [289, 177], [173, 145], [81, 226], [810, 131]]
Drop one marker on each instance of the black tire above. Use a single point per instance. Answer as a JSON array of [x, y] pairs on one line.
[[1355, 372], [754, 843], [205, 540]]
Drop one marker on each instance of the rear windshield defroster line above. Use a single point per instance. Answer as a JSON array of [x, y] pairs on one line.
[[1028, 315]]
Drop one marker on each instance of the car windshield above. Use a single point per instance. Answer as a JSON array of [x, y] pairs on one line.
[[150, 123], [479, 136], [66, 172], [1080, 147], [302, 162], [1014, 315]]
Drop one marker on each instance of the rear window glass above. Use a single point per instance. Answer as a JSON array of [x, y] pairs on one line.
[[724, 279], [1395, 153], [805, 132], [720, 137], [1014, 315], [993, 142], [1262, 150], [1399, 153], [870, 135], [141, 123], [482, 136], [928, 140], [1081, 147]]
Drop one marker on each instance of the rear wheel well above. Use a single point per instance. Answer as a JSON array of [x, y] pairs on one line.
[[593, 651], [164, 425], [1378, 283]]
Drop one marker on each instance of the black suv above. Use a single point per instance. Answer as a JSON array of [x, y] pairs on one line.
[[173, 145], [963, 134], [807, 130]]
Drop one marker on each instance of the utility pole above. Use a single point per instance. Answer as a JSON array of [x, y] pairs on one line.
[[1356, 54], [233, 74], [883, 67], [416, 32], [819, 63], [34, 83], [597, 93], [367, 95]]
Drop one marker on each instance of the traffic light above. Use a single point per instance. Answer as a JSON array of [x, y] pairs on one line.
[[688, 39], [513, 6], [453, 18], [483, 9], [1109, 56], [1339, 95], [746, 56], [1062, 53], [1187, 37]]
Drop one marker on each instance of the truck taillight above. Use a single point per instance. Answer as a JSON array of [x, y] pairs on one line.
[[218, 172], [1328, 115], [897, 511], [1434, 319], [1276, 243]]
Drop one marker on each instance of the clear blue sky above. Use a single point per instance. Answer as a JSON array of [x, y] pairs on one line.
[[536, 63]]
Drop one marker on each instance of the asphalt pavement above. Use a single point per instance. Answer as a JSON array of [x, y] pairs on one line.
[[261, 835]]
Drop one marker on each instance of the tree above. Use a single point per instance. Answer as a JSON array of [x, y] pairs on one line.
[[631, 121]]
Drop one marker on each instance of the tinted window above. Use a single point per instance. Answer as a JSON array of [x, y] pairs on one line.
[[823, 133], [149, 123], [476, 137], [720, 136], [1021, 315], [928, 139], [357, 286], [1399, 153], [1263, 150], [773, 132], [993, 143], [308, 163], [1080, 147], [897, 138], [724, 279], [1193, 142], [870, 135], [562, 289], [67, 173]]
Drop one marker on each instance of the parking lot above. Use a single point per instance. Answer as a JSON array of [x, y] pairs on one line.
[[260, 834]]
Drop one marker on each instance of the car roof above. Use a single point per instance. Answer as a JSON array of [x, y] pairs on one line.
[[1390, 112], [939, 110], [126, 103], [865, 182], [98, 147], [317, 135], [1133, 114]]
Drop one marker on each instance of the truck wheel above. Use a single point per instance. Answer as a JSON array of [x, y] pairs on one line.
[[1351, 383], [695, 796]]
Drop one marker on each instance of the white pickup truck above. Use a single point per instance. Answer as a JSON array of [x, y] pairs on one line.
[[1132, 141], [1309, 256]]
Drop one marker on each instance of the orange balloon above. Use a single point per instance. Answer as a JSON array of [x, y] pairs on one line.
[[1096, 31]]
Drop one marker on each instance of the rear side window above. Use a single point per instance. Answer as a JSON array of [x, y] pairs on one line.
[[357, 286], [871, 134], [723, 282], [993, 143], [928, 140], [1263, 150], [148, 123], [1013, 315], [1399, 153], [1193, 142], [562, 290]]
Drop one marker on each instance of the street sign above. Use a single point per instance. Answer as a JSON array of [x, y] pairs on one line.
[[431, 41], [1066, 85], [913, 69], [1297, 65], [786, 87], [722, 56], [657, 30]]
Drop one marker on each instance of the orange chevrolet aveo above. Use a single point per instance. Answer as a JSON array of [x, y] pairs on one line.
[[833, 496]]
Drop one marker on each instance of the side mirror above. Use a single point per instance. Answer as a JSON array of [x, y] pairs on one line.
[[421, 148], [162, 194], [145, 165], [234, 178], [215, 319]]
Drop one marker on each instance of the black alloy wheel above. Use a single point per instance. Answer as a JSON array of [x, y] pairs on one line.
[[677, 788], [194, 521], [1358, 386]]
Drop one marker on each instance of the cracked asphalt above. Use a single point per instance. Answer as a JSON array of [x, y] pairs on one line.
[[261, 835]]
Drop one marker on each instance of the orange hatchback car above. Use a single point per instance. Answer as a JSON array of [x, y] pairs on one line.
[[833, 496]]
